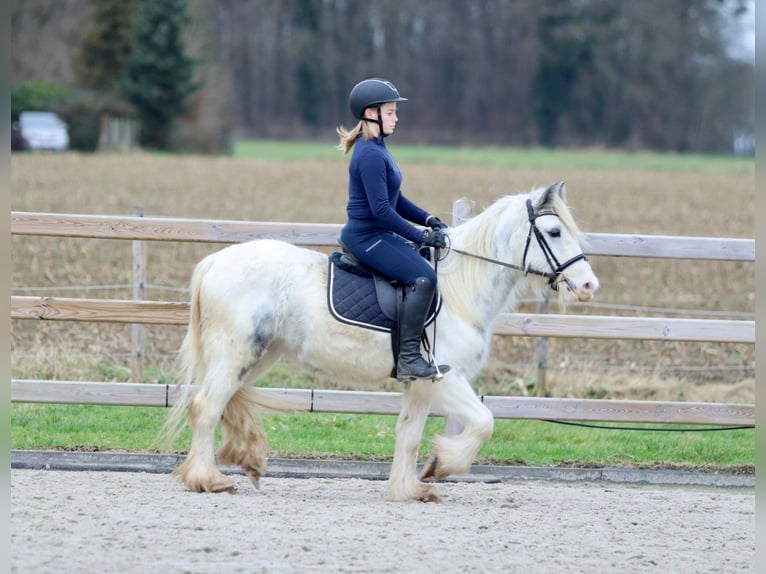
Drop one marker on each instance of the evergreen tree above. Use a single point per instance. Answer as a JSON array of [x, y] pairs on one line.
[[158, 76], [105, 46], [310, 72]]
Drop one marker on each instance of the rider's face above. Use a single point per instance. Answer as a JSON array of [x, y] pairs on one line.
[[387, 115], [390, 119]]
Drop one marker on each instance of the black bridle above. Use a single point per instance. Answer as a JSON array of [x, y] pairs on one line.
[[557, 269]]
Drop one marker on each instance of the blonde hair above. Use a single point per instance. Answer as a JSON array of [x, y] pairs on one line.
[[348, 137]]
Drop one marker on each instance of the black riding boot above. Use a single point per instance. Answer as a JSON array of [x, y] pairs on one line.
[[412, 315]]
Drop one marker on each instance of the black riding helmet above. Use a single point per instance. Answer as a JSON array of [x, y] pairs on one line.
[[372, 92]]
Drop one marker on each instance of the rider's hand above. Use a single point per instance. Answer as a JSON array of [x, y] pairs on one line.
[[435, 223], [435, 238]]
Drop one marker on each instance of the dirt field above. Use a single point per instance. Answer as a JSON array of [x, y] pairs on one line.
[[627, 201], [65, 521]]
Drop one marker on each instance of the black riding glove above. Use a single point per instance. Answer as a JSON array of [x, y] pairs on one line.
[[435, 238], [435, 223]]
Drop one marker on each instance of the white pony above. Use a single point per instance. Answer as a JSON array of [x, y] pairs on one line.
[[256, 303]]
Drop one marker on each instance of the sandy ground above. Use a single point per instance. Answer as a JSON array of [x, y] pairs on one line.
[[69, 521]]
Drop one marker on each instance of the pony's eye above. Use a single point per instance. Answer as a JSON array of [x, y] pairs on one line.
[[555, 232]]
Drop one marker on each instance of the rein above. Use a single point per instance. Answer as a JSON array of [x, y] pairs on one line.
[[547, 274], [557, 269]]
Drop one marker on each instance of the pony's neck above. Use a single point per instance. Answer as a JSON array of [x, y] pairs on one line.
[[475, 290]]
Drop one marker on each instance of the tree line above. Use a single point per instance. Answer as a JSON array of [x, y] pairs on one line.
[[654, 74]]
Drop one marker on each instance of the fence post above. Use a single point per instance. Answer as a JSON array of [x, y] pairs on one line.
[[541, 351], [139, 284], [462, 210]]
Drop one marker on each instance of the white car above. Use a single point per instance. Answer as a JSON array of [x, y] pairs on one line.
[[43, 131]]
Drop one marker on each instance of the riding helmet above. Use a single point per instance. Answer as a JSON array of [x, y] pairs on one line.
[[371, 92]]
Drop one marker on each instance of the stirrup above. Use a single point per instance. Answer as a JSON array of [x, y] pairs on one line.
[[441, 370], [435, 377]]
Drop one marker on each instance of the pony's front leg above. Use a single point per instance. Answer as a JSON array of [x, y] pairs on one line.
[[403, 482], [455, 453]]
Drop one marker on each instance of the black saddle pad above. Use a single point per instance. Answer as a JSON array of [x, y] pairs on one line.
[[356, 296]]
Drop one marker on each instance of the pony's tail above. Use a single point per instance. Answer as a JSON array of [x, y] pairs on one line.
[[191, 363], [189, 359]]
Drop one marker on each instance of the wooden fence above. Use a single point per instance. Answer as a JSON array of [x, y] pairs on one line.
[[520, 324]]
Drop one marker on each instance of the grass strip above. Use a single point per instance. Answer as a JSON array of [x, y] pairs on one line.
[[371, 437], [507, 157]]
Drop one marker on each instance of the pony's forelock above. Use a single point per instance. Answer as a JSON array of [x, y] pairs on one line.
[[561, 207]]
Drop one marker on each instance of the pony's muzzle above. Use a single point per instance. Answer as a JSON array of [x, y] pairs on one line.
[[582, 292]]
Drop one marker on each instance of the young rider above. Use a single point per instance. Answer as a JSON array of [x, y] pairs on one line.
[[380, 231]]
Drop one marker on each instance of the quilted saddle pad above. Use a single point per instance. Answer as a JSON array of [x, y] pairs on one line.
[[356, 297]]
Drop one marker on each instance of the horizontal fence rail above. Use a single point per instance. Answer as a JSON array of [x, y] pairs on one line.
[[608, 327], [100, 310], [389, 403], [521, 324], [219, 231], [170, 229]]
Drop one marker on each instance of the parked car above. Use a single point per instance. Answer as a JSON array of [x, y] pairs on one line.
[[40, 131]]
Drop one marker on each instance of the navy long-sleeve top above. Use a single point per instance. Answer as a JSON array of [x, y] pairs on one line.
[[374, 192]]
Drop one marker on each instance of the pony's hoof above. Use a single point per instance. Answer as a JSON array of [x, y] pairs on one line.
[[255, 478], [221, 484], [231, 489], [432, 497]]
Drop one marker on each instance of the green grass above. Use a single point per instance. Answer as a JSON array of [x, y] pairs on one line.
[[371, 437], [521, 158]]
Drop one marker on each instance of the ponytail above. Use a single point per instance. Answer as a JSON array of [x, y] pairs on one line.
[[348, 137]]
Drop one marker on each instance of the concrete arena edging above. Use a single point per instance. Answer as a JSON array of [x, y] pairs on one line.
[[371, 470]]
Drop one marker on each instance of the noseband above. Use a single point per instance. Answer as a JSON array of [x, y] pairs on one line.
[[557, 269]]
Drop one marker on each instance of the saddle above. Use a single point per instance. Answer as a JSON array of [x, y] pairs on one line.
[[359, 296]]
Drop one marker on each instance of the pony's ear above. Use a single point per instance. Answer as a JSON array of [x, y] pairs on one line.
[[547, 195]]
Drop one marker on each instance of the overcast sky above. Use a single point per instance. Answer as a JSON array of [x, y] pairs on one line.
[[742, 34]]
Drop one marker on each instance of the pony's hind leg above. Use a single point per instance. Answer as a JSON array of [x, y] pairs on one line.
[[244, 440], [199, 472]]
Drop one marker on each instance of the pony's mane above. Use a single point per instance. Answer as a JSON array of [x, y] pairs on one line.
[[461, 278]]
